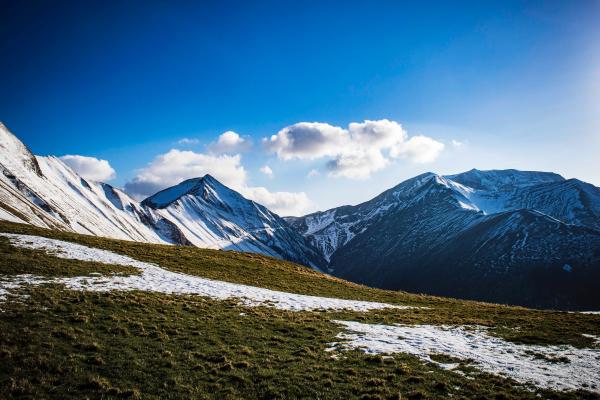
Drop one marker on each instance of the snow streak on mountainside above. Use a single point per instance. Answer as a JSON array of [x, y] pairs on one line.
[[529, 238], [45, 192], [571, 201]]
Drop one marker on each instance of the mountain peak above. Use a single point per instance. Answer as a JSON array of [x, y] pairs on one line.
[[210, 179], [495, 178], [206, 187], [14, 155], [167, 196]]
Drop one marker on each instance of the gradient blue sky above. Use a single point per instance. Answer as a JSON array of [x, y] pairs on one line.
[[516, 82]]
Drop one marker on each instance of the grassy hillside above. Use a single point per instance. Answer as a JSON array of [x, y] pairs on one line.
[[57, 343]]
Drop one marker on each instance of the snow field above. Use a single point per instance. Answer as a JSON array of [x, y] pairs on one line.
[[156, 279], [551, 367]]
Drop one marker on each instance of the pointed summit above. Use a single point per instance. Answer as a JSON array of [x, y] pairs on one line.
[[213, 215], [14, 155], [204, 187]]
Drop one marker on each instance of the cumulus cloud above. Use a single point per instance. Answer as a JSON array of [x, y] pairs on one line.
[[420, 149], [230, 142], [90, 167], [282, 203], [265, 169], [357, 164], [176, 166], [354, 152], [307, 140]]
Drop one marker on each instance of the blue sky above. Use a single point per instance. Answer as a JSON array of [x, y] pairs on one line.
[[507, 84]]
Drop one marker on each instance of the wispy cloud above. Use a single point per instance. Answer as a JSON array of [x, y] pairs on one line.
[[188, 141], [265, 169], [313, 173]]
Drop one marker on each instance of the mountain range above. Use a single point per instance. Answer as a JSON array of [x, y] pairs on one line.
[[529, 238], [45, 192], [519, 237]]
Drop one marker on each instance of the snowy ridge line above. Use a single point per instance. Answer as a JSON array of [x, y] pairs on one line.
[[156, 279], [551, 367]]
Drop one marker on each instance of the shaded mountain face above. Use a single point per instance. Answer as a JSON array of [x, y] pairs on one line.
[[517, 237], [45, 192], [212, 215]]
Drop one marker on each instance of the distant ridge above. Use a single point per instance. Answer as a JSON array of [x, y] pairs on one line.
[[509, 236]]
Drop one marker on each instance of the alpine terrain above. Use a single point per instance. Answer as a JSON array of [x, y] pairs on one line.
[[88, 317], [45, 192], [519, 237]]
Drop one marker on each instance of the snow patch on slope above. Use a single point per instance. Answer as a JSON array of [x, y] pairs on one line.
[[527, 364], [156, 279]]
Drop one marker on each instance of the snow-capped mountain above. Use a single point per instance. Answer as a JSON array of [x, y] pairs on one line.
[[44, 191], [569, 200], [508, 236], [212, 215]]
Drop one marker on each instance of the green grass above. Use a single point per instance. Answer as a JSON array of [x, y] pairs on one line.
[[56, 343], [65, 344], [16, 261]]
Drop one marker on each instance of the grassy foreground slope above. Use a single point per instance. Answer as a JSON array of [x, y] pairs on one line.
[[57, 343]]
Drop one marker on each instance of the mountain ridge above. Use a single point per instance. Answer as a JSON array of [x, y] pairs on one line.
[[45, 192], [477, 235], [411, 236]]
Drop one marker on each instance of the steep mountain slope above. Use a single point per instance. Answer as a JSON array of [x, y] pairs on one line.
[[212, 215], [45, 192], [332, 229], [507, 236]]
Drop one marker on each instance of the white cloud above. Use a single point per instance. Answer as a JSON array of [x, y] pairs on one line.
[[459, 144], [313, 173], [381, 134], [282, 203], [419, 149], [358, 164], [307, 140], [176, 166], [188, 141], [230, 142], [355, 152], [265, 169], [90, 167]]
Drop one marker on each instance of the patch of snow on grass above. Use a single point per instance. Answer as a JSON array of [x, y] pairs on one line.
[[156, 279], [552, 367]]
